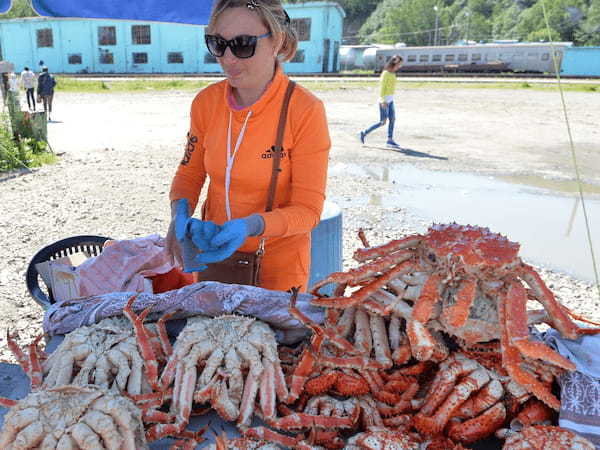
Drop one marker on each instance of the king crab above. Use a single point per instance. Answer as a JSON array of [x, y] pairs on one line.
[[472, 288], [73, 417], [226, 361]]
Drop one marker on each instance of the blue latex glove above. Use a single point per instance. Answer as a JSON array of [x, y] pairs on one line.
[[202, 233], [231, 236], [193, 235], [181, 218]]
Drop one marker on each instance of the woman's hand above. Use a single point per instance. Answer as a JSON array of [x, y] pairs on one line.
[[172, 246]]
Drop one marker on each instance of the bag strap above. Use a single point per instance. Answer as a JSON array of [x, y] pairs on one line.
[[278, 148]]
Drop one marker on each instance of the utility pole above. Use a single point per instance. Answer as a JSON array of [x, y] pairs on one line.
[[435, 35], [468, 14]]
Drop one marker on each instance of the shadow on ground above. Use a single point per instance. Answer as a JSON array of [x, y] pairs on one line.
[[410, 152]]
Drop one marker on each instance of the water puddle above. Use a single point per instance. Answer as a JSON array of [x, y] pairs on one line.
[[549, 225]]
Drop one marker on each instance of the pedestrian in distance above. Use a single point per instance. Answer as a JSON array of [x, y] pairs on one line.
[[46, 83], [387, 112], [231, 150], [28, 83]]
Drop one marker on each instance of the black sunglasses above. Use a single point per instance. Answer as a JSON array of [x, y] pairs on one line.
[[242, 46]]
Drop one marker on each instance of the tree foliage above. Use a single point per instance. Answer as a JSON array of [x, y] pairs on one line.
[[20, 8], [414, 21]]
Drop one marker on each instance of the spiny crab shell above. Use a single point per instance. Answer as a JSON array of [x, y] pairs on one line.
[[470, 249]]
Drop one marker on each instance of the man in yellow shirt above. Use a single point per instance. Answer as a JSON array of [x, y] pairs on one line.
[[386, 101]]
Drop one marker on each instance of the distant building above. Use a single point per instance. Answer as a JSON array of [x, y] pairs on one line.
[[117, 46], [581, 62]]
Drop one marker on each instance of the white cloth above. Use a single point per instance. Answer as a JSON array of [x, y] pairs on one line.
[[28, 79], [580, 390], [13, 84], [208, 298]]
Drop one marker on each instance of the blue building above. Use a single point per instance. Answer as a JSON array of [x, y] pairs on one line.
[[117, 46], [581, 61]]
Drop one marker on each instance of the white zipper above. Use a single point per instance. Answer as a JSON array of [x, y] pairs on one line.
[[231, 158]]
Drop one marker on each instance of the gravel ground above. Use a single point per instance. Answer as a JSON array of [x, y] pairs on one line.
[[119, 153]]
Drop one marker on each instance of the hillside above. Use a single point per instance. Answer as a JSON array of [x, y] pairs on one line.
[[414, 21]]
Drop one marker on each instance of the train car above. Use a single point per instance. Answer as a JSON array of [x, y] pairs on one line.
[[514, 57]]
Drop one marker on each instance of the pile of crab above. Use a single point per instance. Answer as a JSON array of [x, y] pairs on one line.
[[426, 345]]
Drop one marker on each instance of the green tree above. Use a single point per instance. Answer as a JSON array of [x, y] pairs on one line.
[[564, 17], [20, 8], [589, 30]]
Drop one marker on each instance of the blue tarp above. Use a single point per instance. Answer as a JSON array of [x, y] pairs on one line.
[[195, 12], [4, 6]]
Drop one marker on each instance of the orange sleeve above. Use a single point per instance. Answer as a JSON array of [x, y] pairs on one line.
[[309, 158], [191, 173]]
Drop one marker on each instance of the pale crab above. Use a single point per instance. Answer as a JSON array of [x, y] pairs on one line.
[[105, 354], [73, 417], [471, 288], [225, 361], [542, 436]]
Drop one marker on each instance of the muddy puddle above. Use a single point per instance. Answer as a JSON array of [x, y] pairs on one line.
[[546, 218]]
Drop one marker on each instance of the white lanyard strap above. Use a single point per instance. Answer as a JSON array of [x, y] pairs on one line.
[[231, 158]]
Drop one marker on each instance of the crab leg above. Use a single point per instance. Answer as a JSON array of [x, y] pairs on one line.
[[480, 427], [162, 333], [366, 291], [364, 254], [457, 314], [150, 363], [511, 360], [518, 333], [331, 334], [545, 296]]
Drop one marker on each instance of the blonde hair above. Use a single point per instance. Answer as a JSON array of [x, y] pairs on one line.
[[393, 61], [271, 14]]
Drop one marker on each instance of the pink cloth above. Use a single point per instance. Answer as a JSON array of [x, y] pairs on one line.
[[123, 265]]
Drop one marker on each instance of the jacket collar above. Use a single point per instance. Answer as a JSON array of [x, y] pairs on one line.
[[269, 96]]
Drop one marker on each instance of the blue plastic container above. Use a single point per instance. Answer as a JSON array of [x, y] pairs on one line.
[[326, 248]]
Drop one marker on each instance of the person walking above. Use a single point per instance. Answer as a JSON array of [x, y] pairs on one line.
[[46, 83], [231, 146], [28, 83], [387, 112]]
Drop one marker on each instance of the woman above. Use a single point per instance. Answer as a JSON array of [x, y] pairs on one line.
[[232, 132], [386, 101]]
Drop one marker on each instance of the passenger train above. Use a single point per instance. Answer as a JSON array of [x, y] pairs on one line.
[[497, 57]]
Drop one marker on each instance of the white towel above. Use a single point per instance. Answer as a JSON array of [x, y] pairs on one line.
[[580, 390]]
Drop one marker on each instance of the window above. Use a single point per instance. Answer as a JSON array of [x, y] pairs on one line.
[[140, 58], [107, 36], [436, 58], [75, 58], [476, 57], [412, 58], [423, 58], [44, 38], [107, 57], [175, 58], [545, 56], [533, 55], [463, 57], [209, 59], [298, 57], [302, 27], [449, 58], [140, 34]]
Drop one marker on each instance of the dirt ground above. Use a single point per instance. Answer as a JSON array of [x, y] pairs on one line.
[[119, 152]]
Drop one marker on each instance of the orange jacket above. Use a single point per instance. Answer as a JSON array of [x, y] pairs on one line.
[[301, 184]]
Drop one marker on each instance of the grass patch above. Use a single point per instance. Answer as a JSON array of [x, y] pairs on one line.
[[25, 152], [402, 84], [68, 84]]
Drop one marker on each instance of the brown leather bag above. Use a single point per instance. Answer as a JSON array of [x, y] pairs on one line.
[[244, 268]]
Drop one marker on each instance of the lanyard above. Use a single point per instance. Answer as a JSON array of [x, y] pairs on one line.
[[231, 158]]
